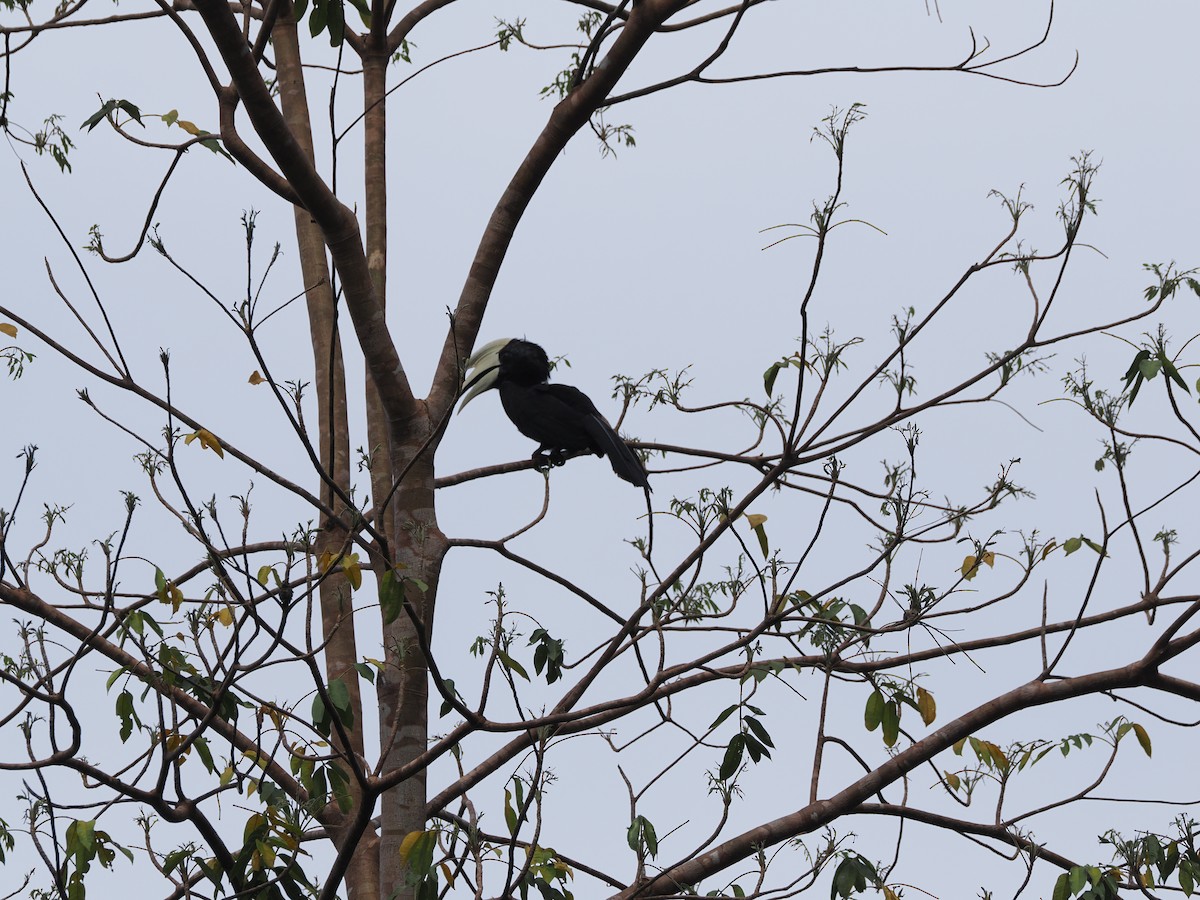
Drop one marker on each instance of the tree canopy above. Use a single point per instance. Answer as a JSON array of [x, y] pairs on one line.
[[324, 637]]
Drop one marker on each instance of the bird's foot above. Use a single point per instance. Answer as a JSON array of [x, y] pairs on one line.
[[542, 462], [557, 458]]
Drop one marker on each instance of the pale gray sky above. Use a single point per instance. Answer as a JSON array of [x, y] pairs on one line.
[[651, 260]]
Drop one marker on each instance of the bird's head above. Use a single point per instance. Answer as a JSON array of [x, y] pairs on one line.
[[483, 370], [506, 359]]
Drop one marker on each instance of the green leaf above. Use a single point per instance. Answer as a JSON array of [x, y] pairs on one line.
[[733, 757], [99, 115], [420, 854], [759, 731], [124, 708], [510, 814], [85, 836], [756, 750], [722, 716], [1148, 368], [847, 878], [337, 22], [1154, 851], [320, 716], [762, 541], [318, 788], [447, 706], [511, 664], [634, 833], [874, 712], [112, 679], [204, 752], [173, 859], [982, 753], [319, 16], [132, 111], [364, 11], [1173, 374], [891, 723], [391, 596], [214, 145], [339, 696], [1135, 367], [340, 782], [1062, 888], [770, 375], [649, 835], [1077, 879]]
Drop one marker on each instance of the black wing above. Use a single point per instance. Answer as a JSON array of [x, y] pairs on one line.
[[602, 438]]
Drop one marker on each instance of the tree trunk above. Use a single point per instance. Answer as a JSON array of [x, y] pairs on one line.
[[337, 620], [403, 686]]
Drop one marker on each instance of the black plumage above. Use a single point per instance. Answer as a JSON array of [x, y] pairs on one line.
[[561, 418]]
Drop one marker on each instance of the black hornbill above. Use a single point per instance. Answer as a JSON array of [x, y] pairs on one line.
[[559, 417]]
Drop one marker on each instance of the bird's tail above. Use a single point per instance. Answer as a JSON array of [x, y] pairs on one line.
[[624, 461]]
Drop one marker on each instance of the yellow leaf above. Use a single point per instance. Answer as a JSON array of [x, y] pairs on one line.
[[953, 780], [207, 440], [889, 894], [256, 377], [990, 559], [997, 755], [1049, 547], [10, 330], [189, 127], [172, 595], [172, 740], [1143, 738], [970, 567], [350, 568], [225, 616], [926, 705], [754, 519], [407, 844], [254, 757]]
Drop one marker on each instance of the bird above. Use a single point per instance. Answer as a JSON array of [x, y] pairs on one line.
[[561, 418]]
